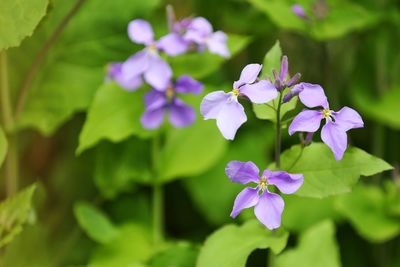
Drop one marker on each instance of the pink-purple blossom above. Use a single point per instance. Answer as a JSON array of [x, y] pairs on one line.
[[268, 206], [299, 11], [225, 107], [158, 103], [334, 132], [283, 79]]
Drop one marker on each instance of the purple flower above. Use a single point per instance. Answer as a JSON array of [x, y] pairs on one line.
[[336, 125], [268, 206], [160, 102], [283, 80], [200, 32], [114, 72], [298, 10], [147, 62], [225, 107]]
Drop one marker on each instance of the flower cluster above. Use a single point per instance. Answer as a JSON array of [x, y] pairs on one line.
[[226, 109], [147, 66]]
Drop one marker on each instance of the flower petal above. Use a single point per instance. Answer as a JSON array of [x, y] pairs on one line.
[[201, 24], [286, 183], [347, 118], [306, 121], [216, 43], [180, 114], [158, 74], [128, 82], [136, 65], [152, 119], [247, 198], [259, 92], [212, 104], [154, 100], [186, 84], [269, 210], [249, 74], [172, 44], [140, 31], [242, 172], [334, 137], [230, 118], [312, 95]]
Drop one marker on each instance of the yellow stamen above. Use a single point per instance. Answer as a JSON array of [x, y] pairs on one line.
[[326, 113], [235, 92], [262, 183], [170, 92]]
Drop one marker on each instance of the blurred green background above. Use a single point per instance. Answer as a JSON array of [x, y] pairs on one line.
[[92, 201]]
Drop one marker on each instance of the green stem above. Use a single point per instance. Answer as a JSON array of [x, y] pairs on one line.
[[158, 203], [278, 135], [11, 161]]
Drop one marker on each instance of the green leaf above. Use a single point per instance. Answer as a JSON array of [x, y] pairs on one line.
[[178, 255], [212, 191], [14, 213], [95, 223], [131, 248], [191, 151], [385, 109], [272, 60], [74, 66], [18, 19], [268, 111], [3, 146], [199, 65], [323, 174], [317, 247], [302, 212], [341, 18], [367, 209], [119, 166], [231, 245], [114, 115]]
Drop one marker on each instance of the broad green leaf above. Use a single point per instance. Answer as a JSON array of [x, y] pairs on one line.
[[268, 111], [212, 191], [272, 60], [119, 166], [95, 223], [178, 255], [367, 209], [74, 66], [114, 115], [199, 65], [317, 247], [131, 248], [231, 245], [18, 19], [323, 174], [3, 146], [14, 213], [342, 17], [302, 212], [191, 151], [385, 109], [30, 248]]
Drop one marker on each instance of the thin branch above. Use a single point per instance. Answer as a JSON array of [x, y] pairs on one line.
[[23, 92]]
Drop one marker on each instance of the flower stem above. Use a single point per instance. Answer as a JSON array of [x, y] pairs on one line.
[[11, 161], [278, 135], [158, 204]]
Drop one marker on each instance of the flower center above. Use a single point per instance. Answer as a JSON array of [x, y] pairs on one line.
[[327, 113], [235, 92], [170, 92], [262, 183]]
